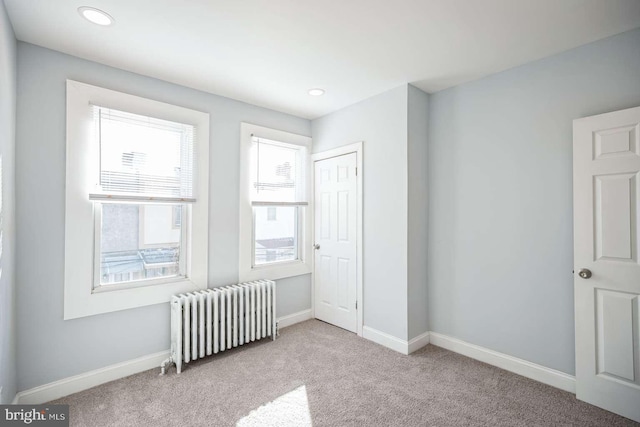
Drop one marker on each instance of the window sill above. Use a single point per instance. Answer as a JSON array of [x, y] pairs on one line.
[[123, 286], [91, 303], [275, 272]]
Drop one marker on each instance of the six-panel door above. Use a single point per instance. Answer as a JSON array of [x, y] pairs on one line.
[[607, 305], [335, 238]]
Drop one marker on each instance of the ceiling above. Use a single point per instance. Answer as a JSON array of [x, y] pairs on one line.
[[270, 52]]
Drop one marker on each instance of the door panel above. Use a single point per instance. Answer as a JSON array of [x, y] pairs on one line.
[[616, 142], [617, 332], [606, 166], [343, 283], [343, 216], [615, 216], [335, 231]]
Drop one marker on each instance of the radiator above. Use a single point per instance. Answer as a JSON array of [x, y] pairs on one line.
[[213, 320]]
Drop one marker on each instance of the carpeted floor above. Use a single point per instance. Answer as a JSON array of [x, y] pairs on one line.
[[318, 374]]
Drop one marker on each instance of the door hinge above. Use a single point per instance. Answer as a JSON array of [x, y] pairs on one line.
[[356, 171], [356, 305]]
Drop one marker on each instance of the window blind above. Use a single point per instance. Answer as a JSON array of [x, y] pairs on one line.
[[143, 158], [277, 173]]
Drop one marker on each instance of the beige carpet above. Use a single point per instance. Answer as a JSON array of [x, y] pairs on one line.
[[317, 374]]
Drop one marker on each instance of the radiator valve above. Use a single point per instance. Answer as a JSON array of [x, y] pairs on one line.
[[164, 364]]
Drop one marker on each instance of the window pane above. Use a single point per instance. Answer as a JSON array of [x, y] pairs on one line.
[[143, 155], [276, 239], [139, 241], [276, 173]]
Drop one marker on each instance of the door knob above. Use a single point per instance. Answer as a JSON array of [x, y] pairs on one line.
[[316, 246], [585, 273]]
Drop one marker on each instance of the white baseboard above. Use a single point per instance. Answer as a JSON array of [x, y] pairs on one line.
[[77, 383], [87, 380], [16, 399], [389, 341], [418, 342], [518, 366], [292, 319], [384, 339]]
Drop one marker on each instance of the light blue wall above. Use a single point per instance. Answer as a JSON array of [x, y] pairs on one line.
[[500, 197], [50, 348], [418, 130], [8, 329], [381, 123]]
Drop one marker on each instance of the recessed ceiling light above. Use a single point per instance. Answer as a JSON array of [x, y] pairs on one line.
[[96, 16], [316, 92]]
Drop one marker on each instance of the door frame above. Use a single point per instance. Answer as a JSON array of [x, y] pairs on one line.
[[357, 148]]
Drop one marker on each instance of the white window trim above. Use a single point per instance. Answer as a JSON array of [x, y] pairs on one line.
[[80, 299], [286, 268]]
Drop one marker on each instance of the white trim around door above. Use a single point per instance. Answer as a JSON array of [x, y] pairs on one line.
[[357, 148]]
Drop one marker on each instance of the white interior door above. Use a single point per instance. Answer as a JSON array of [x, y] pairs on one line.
[[606, 167], [335, 241]]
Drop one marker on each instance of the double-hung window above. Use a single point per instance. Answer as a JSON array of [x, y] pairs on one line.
[[145, 180], [136, 218], [274, 204]]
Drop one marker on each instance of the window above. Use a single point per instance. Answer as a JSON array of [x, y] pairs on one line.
[[141, 159], [277, 179], [136, 201], [274, 206]]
